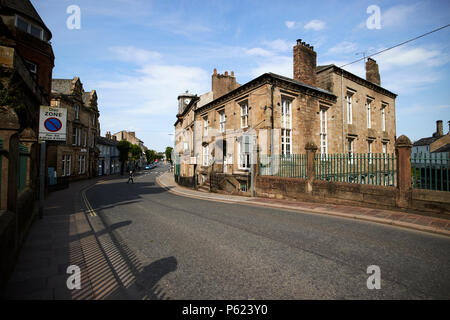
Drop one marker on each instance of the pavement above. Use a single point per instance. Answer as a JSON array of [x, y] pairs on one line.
[[65, 237], [414, 221]]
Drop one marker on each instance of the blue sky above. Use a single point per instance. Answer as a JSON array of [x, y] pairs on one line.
[[140, 54]]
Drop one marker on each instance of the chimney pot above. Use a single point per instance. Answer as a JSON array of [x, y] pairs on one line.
[[215, 71], [299, 41], [232, 73], [226, 73]]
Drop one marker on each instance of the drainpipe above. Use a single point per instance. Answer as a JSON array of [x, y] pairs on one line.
[[343, 109], [271, 118]]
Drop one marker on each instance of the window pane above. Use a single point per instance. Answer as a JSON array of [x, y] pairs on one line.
[[36, 31], [22, 24]]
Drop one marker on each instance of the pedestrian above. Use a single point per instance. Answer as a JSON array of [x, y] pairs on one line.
[[130, 177]]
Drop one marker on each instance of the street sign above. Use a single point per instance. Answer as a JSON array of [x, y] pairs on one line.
[[52, 124]]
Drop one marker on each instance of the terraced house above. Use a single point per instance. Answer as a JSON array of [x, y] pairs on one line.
[[234, 126], [78, 157]]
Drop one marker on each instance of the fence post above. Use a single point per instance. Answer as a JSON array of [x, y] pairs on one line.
[[403, 154], [311, 149]]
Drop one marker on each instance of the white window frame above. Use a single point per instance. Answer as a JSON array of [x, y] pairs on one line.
[[384, 148], [286, 126], [63, 169], [244, 114], [223, 120], [74, 136], [351, 150], [370, 150], [369, 113], [323, 132], [66, 165], [82, 164], [205, 126], [383, 117], [32, 66], [349, 100], [205, 155], [244, 152]]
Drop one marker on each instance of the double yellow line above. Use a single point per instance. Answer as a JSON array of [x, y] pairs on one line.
[[91, 211]]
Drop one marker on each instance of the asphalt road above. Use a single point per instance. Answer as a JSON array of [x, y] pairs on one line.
[[197, 249]]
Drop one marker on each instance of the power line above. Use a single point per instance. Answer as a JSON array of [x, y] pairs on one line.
[[397, 45]]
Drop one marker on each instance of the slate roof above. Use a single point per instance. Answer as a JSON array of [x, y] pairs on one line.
[[62, 86], [283, 78], [106, 142], [445, 148], [325, 67], [424, 141], [26, 8], [86, 98]]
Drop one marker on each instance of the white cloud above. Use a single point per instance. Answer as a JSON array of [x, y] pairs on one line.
[[407, 56], [153, 88], [133, 54], [291, 24], [343, 48], [398, 15], [315, 25], [258, 52], [279, 45], [278, 64]]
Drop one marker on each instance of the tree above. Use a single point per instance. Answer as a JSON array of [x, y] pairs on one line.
[[151, 155], [136, 152], [169, 151], [124, 148]]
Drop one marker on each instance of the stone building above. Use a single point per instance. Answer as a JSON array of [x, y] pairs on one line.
[[26, 64], [77, 158], [130, 136], [437, 146], [234, 126], [363, 118], [108, 161]]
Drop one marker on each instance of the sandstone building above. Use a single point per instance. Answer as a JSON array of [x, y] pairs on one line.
[[233, 126], [77, 158], [130, 136], [26, 64]]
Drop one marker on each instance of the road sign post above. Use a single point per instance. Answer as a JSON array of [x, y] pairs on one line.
[[52, 127]]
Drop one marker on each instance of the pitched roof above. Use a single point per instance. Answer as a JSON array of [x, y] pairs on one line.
[[26, 8], [267, 77], [424, 141], [86, 98], [363, 81], [105, 141], [444, 148], [62, 86], [277, 76]]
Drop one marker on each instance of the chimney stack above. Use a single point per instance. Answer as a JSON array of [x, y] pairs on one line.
[[372, 72], [305, 62], [223, 83], [439, 129]]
